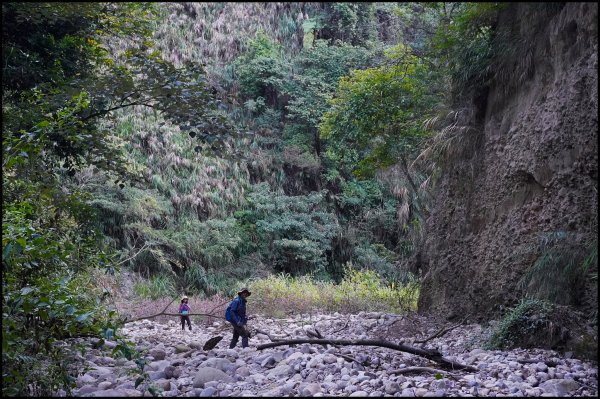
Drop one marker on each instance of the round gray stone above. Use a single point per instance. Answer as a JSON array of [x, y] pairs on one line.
[[206, 374]]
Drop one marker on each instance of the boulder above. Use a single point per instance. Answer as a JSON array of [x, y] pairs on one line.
[[280, 371], [86, 389], [310, 389], [105, 385], [217, 363], [159, 365], [158, 354], [163, 384], [182, 348], [156, 375], [117, 393], [208, 392], [559, 387], [391, 387], [98, 371], [206, 374], [269, 362], [291, 358], [85, 379]]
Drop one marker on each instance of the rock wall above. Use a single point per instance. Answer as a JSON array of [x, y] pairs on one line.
[[529, 167]]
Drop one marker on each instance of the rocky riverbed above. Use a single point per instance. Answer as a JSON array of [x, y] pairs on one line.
[[178, 366]]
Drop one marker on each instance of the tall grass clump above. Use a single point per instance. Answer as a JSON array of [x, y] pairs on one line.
[[565, 265], [360, 290], [156, 287]]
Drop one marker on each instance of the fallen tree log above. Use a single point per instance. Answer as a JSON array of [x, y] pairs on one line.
[[426, 353]]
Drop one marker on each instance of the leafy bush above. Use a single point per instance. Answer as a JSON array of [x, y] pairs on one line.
[[38, 316], [378, 258], [320, 68], [564, 265], [295, 232], [261, 70], [375, 117], [522, 325], [359, 290]]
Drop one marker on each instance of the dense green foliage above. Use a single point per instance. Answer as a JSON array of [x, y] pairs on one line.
[[328, 98], [202, 145], [529, 318], [58, 81], [211, 219]]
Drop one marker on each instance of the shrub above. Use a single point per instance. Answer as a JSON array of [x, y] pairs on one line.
[[295, 232], [358, 291], [564, 265], [529, 319]]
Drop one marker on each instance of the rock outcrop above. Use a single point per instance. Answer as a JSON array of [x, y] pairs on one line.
[[527, 169]]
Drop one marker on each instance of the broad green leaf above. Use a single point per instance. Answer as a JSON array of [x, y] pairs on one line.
[[138, 381], [82, 317]]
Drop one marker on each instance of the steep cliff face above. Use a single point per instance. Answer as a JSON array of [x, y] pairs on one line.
[[529, 168]]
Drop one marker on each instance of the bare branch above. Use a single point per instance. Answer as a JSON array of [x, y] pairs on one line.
[[138, 252], [216, 307], [345, 325], [441, 332], [272, 338], [166, 307], [348, 358], [106, 111], [549, 363], [408, 370]]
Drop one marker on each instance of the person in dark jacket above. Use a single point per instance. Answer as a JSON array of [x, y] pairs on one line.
[[236, 315]]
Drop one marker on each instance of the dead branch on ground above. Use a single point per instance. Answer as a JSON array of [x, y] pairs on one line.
[[430, 354], [272, 338], [345, 325], [408, 370], [441, 332], [365, 363], [399, 318], [549, 363]]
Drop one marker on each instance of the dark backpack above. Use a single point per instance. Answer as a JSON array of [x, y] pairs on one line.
[[228, 312]]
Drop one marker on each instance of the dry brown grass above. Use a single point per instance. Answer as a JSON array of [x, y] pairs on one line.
[[136, 308], [122, 297]]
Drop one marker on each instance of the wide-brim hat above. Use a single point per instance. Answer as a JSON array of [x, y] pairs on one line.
[[184, 297], [244, 290]]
